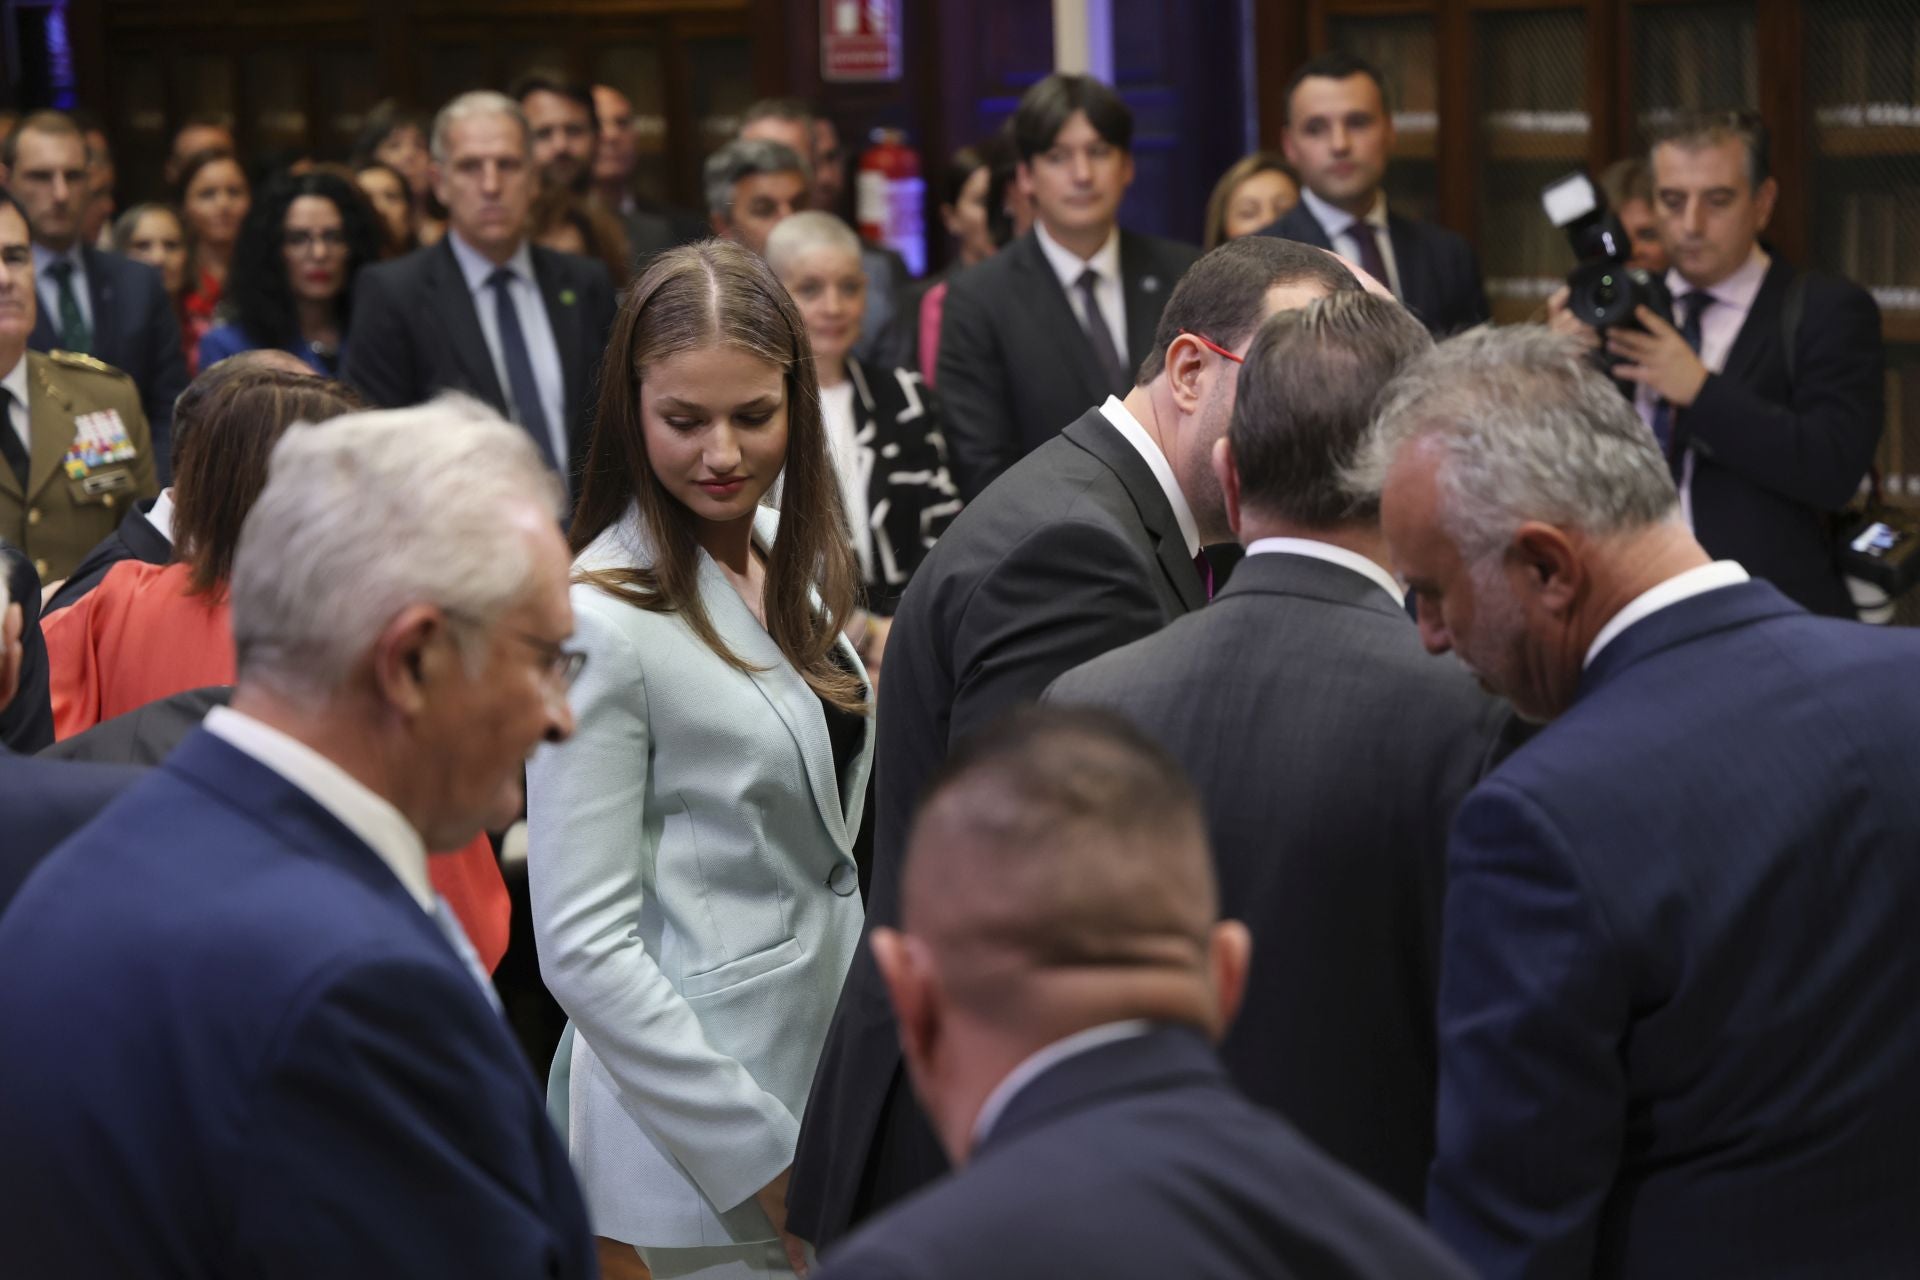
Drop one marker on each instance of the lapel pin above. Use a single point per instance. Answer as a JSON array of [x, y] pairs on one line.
[[566, 297]]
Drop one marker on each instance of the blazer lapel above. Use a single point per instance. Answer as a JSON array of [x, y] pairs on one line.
[[1103, 440], [866, 436], [106, 312], [1299, 224], [453, 306], [563, 313], [1058, 316], [1758, 330], [791, 697], [1146, 294], [1406, 259]]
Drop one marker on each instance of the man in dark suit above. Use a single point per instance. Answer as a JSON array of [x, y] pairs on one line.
[[44, 801], [1329, 750], [1677, 979], [1061, 318], [1765, 441], [1088, 543], [1338, 137], [92, 302], [247, 1002], [651, 229], [1057, 1015], [484, 311]]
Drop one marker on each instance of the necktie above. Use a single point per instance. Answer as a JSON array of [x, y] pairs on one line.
[[1205, 566], [12, 451], [456, 937], [1100, 335], [1367, 237], [1691, 307], [522, 388], [74, 335]]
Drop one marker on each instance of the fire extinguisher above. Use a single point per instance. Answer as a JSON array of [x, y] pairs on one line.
[[892, 198]]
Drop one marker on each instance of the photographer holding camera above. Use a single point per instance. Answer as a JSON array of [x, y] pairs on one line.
[[1765, 389]]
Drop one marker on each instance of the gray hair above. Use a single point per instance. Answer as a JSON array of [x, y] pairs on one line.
[[372, 513], [804, 232], [468, 106], [743, 158], [1526, 428]]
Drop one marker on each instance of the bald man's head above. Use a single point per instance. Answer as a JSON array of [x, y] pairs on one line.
[[1058, 877]]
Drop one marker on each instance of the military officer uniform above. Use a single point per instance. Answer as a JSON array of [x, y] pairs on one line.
[[87, 458]]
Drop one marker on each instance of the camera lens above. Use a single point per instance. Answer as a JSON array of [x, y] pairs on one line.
[[1606, 290]]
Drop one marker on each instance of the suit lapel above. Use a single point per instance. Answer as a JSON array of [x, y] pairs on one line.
[[1145, 290], [49, 426], [1762, 323], [1103, 440], [453, 306], [790, 696], [106, 311], [1300, 224], [1407, 261], [563, 313], [1058, 316]]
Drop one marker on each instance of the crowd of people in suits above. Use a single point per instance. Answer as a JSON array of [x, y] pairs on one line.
[[939, 777]]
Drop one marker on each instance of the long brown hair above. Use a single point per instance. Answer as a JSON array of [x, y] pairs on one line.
[[718, 294], [224, 428]]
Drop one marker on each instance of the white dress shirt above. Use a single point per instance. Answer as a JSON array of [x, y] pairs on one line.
[[1326, 551], [1720, 326], [161, 517], [1136, 435], [17, 412], [1682, 586], [1338, 224], [1067, 265], [852, 464], [49, 289], [1033, 1066], [543, 351]]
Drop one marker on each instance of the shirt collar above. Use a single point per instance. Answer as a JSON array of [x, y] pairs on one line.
[[161, 515], [1136, 435], [16, 380], [476, 267], [367, 815], [1317, 550], [1067, 265], [1738, 290], [44, 257], [1044, 1060], [1683, 586], [1336, 221]]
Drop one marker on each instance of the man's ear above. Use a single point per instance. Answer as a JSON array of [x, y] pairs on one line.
[[1186, 362], [1229, 477], [904, 966], [12, 652], [410, 652], [1552, 572], [1229, 952], [1764, 200]]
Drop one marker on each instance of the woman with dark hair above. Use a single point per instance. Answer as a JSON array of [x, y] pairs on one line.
[[695, 898], [292, 281], [391, 200], [1252, 194], [984, 207], [213, 200], [397, 137]]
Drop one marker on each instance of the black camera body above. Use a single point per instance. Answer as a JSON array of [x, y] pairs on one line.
[[1602, 291]]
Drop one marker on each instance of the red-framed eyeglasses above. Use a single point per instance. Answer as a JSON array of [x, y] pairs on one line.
[[1213, 346]]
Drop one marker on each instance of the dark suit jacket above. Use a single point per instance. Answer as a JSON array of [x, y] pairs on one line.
[[45, 801], [1774, 456], [1331, 752], [1439, 276], [1074, 552], [134, 538], [1678, 981], [136, 331], [26, 723], [1136, 1159], [273, 1049], [1015, 365], [416, 332]]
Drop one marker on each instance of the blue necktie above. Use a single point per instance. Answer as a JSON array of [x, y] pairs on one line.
[[1691, 306], [522, 388]]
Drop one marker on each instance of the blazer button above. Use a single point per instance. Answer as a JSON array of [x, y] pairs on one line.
[[844, 881]]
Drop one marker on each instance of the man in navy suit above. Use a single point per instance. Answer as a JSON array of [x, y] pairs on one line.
[[486, 311], [1058, 1016], [44, 801], [92, 302], [1678, 985], [255, 1041], [1338, 137]]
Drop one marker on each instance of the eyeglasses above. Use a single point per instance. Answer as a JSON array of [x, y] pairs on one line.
[[1213, 346], [560, 665], [301, 239]]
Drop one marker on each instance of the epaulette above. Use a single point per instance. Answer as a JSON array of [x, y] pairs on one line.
[[78, 360]]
